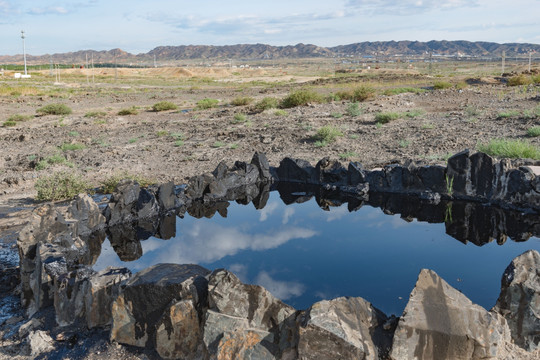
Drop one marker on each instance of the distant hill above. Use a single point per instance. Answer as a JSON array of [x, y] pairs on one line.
[[262, 51]]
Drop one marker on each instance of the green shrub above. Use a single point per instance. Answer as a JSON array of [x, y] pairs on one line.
[[508, 114], [109, 184], [267, 103], [218, 144], [164, 106], [440, 85], [336, 115], [383, 118], [300, 98], [54, 109], [402, 90], [242, 100], [95, 114], [518, 80], [415, 113], [53, 160], [238, 118], [128, 111], [534, 131], [60, 186], [9, 123], [348, 155], [71, 146], [363, 93], [207, 103], [353, 109], [535, 79], [326, 135], [280, 112], [19, 117], [505, 148], [161, 133]]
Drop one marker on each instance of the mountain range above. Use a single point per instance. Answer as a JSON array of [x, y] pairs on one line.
[[263, 51]]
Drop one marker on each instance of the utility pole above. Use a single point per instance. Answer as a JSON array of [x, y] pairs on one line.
[[503, 57], [24, 52]]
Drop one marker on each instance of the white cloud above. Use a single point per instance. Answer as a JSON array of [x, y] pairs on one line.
[[53, 10], [281, 289], [407, 7], [289, 211], [268, 210]]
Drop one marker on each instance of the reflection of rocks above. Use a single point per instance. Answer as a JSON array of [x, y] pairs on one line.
[[519, 301], [439, 322], [126, 244], [351, 327]]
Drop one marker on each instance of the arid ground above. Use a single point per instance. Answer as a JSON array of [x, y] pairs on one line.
[[96, 143]]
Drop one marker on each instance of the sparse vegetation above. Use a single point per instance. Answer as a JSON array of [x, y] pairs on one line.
[[71, 146], [54, 109], [59, 186], [386, 117], [363, 93], [441, 85], [239, 118], [19, 118], [218, 144], [128, 111], [336, 115], [280, 112], [348, 155], [164, 106], [518, 80], [300, 98], [95, 114], [508, 114], [109, 184], [161, 133], [402, 90], [242, 101], [267, 103], [73, 133], [353, 109], [207, 104], [8, 123], [506, 148], [326, 135], [534, 131], [56, 159], [415, 113]]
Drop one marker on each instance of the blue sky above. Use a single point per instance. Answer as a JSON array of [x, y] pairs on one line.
[[139, 26]]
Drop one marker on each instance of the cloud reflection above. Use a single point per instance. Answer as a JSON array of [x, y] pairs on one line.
[[281, 289]]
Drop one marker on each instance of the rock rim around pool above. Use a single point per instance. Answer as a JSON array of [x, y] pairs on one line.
[[156, 307]]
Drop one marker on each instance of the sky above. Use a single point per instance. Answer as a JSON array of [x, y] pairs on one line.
[[139, 26]]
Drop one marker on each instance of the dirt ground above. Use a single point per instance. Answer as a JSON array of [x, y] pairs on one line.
[[175, 145]]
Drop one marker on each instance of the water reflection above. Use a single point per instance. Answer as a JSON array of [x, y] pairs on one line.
[[302, 254]]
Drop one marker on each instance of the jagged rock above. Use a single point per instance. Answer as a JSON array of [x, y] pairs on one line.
[[377, 180], [178, 334], [85, 210], [351, 327], [261, 162], [167, 227], [40, 343], [234, 305], [123, 203], [394, 178], [357, 173], [166, 196], [141, 304], [245, 344], [198, 186], [262, 198], [519, 301], [439, 322], [481, 175], [103, 289], [433, 178], [296, 170], [70, 289], [330, 172], [249, 173], [147, 205], [458, 172]]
